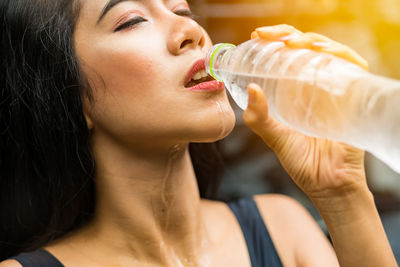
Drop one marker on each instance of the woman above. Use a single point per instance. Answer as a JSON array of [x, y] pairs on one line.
[[99, 106]]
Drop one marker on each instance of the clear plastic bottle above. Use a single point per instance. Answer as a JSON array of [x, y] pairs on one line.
[[315, 93]]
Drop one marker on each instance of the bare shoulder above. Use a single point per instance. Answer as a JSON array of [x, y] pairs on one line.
[[283, 213], [10, 263], [296, 236], [280, 207]]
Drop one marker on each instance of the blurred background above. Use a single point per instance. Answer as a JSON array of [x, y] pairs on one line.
[[371, 27]]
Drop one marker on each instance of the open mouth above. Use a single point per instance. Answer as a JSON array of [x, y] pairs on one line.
[[200, 77]]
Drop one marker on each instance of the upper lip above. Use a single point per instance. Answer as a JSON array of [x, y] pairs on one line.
[[197, 66]]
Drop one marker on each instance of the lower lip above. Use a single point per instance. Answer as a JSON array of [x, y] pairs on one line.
[[208, 86]]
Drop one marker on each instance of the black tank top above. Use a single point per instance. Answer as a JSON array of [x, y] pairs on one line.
[[39, 258], [259, 244]]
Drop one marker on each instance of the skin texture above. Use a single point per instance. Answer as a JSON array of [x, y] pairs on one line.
[[148, 211]]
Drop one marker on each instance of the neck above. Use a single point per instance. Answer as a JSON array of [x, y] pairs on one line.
[[149, 206]]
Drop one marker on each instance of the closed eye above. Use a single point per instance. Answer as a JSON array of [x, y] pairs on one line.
[[130, 23], [138, 19]]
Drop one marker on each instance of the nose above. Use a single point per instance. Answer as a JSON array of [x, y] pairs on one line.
[[185, 35]]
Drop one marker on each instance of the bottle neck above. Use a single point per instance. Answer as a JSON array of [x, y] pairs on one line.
[[215, 58]]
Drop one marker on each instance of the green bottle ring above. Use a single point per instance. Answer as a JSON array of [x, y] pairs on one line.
[[219, 47]]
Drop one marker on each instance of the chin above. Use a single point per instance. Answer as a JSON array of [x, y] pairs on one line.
[[215, 124]]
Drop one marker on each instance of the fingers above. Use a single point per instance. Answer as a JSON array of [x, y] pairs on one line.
[[273, 33], [296, 39], [320, 43], [345, 53], [298, 42], [257, 119], [315, 37], [308, 40], [256, 114]]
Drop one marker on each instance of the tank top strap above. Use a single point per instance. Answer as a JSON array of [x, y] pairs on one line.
[[38, 258], [259, 243]]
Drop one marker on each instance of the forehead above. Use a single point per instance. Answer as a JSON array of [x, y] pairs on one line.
[[106, 5], [91, 11], [99, 8]]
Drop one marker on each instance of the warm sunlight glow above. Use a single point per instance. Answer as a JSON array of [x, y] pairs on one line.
[[372, 27]]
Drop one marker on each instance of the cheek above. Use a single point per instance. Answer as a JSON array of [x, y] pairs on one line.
[[123, 63], [127, 81], [122, 72], [121, 82]]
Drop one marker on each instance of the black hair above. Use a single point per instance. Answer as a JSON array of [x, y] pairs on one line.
[[47, 171]]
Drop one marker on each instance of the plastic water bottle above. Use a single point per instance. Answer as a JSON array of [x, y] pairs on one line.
[[315, 93]]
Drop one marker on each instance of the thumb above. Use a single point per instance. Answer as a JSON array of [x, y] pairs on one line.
[[257, 119]]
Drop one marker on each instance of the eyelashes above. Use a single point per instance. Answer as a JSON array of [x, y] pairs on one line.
[[130, 23], [136, 20]]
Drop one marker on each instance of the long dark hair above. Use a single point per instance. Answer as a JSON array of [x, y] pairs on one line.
[[46, 167]]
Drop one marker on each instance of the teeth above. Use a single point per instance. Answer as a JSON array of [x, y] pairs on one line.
[[197, 76], [200, 74]]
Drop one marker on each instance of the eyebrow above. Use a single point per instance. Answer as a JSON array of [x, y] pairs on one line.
[[109, 6]]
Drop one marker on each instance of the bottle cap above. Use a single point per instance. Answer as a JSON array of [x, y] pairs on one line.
[[217, 48]]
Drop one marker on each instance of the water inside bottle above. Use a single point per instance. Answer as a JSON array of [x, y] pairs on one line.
[[359, 116]]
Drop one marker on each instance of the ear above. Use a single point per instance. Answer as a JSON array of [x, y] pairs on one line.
[[86, 108], [89, 121]]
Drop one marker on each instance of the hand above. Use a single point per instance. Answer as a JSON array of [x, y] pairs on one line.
[[320, 167], [294, 38]]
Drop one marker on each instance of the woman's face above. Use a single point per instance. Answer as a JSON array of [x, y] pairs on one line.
[[136, 56]]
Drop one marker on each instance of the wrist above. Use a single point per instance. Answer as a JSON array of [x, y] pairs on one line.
[[353, 222], [348, 206]]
